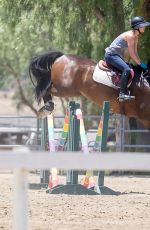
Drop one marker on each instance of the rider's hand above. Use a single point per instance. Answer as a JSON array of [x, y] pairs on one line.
[[143, 66]]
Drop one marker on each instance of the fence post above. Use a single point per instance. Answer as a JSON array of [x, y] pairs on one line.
[[20, 199]]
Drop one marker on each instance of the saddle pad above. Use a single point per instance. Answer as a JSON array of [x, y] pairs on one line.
[[103, 77]]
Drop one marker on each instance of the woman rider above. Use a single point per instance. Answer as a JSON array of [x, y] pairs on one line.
[[127, 41]]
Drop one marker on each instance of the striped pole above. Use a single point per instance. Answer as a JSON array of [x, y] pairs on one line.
[[97, 144], [64, 133], [89, 180], [53, 179], [51, 139], [83, 136]]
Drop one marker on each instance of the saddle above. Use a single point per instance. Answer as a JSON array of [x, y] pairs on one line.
[[114, 73]]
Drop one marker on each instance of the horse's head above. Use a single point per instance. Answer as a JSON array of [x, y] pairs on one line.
[[139, 72], [141, 89]]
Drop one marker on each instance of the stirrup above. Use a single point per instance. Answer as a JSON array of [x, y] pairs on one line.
[[125, 97]]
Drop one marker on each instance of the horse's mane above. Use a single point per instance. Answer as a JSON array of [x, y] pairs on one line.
[[148, 64], [137, 73], [40, 68]]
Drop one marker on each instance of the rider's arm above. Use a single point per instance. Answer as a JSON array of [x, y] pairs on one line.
[[132, 47], [136, 44]]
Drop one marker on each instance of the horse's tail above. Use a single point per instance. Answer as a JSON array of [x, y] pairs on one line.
[[40, 67]]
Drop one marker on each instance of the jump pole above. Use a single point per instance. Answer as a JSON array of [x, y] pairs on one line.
[[105, 120], [53, 178], [72, 187], [44, 140], [64, 133], [89, 180], [73, 139], [102, 138], [74, 135]]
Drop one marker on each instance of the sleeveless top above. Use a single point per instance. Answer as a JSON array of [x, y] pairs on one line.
[[119, 46]]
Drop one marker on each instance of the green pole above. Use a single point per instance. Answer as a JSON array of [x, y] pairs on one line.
[[73, 139], [44, 173], [71, 108], [105, 119], [76, 138]]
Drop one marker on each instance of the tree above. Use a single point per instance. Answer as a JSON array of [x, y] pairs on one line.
[[142, 8], [30, 27]]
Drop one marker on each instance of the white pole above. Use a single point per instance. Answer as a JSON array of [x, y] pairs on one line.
[[20, 200]]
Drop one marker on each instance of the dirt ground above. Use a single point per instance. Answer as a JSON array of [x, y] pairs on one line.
[[131, 210]]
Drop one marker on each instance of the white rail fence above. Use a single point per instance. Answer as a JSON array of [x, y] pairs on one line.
[[21, 161]]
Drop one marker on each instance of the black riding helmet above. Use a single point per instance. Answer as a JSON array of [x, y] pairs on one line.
[[139, 22]]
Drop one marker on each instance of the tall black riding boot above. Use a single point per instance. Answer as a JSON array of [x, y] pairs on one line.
[[124, 80]]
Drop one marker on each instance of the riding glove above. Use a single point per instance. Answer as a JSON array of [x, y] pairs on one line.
[[143, 66]]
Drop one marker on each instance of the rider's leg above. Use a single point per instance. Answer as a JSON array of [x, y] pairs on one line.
[[124, 80], [116, 61], [119, 63]]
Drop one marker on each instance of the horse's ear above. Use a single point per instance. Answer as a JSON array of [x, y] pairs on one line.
[[148, 64]]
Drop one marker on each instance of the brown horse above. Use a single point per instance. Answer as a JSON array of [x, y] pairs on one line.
[[70, 76]]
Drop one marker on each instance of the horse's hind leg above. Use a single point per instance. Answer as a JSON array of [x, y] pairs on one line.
[[48, 105]]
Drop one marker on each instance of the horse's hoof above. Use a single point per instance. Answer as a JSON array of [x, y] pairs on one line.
[[45, 110], [43, 114]]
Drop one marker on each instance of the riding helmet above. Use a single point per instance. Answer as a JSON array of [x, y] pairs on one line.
[[139, 22]]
